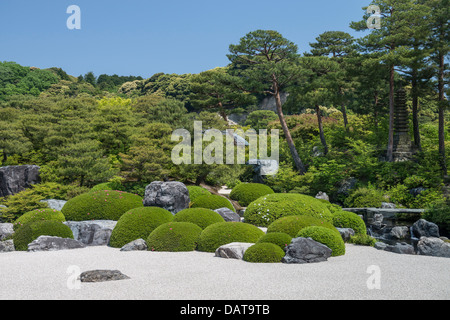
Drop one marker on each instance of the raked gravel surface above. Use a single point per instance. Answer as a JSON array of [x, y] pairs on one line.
[[202, 276]]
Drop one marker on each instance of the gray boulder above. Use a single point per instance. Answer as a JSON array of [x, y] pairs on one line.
[[306, 250], [424, 228], [102, 275], [6, 230], [228, 214], [346, 233], [7, 246], [14, 179], [322, 195], [47, 243], [92, 233], [399, 232], [401, 248], [388, 205], [234, 250], [136, 245], [55, 204], [435, 247], [172, 196]]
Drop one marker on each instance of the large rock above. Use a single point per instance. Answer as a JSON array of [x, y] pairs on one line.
[[7, 246], [136, 245], [172, 196], [102, 275], [306, 250], [6, 230], [55, 204], [92, 233], [401, 248], [436, 247], [399, 232], [14, 179], [424, 228], [346, 233], [233, 250], [228, 214], [47, 243]]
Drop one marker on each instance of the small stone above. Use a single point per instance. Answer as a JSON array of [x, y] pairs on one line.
[[136, 245], [234, 250], [102, 275]]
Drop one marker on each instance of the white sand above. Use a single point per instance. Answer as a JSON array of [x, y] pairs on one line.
[[199, 275]]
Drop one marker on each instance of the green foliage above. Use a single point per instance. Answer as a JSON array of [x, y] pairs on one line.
[[291, 225], [244, 193], [138, 223], [222, 233], [212, 202], [199, 216], [260, 119], [281, 239], [362, 240], [364, 197], [346, 219], [174, 237], [266, 209], [38, 215], [31, 231], [196, 191], [328, 237], [264, 253], [439, 213], [100, 205]]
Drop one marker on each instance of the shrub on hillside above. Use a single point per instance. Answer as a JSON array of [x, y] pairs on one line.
[[281, 239], [212, 202], [328, 237], [264, 252], [347, 219], [293, 224], [199, 216], [39, 215], [196, 191], [364, 198], [174, 236], [244, 193]]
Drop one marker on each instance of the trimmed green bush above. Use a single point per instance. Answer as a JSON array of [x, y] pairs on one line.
[[199, 216], [138, 223], [264, 253], [266, 209], [364, 198], [212, 202], [328, 237], [174, 236], [31, 231], [347, 219], [281, 239], [222, 233], [196, 191], [244, 193], [363, 240], [38, 215], [293, 224], [100, 205]]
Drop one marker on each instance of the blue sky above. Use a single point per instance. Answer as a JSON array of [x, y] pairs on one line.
[[138, 37]]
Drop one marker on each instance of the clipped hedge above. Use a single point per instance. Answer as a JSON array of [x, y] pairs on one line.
[[222, 233], [199, 216], [138, 223], [264, 253], [196, 191], [281, 239], [245, 193], [100, 205], [38, 215], [212, 202], [328, 237], [266, 209], [347, 219], [31, 231], [293, 224], [174, 236]]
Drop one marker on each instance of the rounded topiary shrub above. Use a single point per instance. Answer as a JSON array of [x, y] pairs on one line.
[[293, 224], [281, 239], [100, 205], [31, 231], [212, 202], [196, 191], [244, 193], [266, 209], [347, 219], [328, 237], [199, 216], [264, 253], [138, 223], [222, 233], [174, 236], [38, 215]]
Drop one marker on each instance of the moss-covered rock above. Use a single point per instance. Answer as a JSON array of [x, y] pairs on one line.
[[328, 237], [293, 224], [38, 215], [222, 233], [31, 231], [174, 236], [138, 223], [346, 219], [266, 209], [264, 253], [199, 216], [281, 239], [245, 193], [212, 202], [100, 205]]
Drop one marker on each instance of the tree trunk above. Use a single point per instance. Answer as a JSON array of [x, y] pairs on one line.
[[298, 162], [375, 110], [322, 135], [442, 104], [415, 107], [343, 109], [390, 149], [222, 112]]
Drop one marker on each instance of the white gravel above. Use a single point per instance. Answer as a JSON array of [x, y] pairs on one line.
[[201, 276]]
